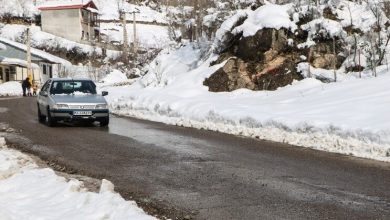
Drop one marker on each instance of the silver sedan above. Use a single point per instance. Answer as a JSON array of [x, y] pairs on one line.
[[72, 100]]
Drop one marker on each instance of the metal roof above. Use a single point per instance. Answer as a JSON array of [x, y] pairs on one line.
[[68, 4]]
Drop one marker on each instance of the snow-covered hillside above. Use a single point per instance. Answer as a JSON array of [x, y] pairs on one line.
[[339, 117], [108, 9]]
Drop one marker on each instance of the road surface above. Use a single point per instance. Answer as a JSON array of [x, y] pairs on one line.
[[180, 172]]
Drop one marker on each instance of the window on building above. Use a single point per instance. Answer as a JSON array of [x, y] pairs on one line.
[[44, 69], [50, 71], [12, 70], [1, 73], [87, 36], [82, 35]]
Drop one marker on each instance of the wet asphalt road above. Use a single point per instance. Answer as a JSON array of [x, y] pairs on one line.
[[208, 175]]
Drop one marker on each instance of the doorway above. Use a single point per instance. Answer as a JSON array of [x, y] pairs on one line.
[[7, 75]]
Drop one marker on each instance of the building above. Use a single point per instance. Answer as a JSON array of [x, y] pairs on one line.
[[13, 63], [75, 20]]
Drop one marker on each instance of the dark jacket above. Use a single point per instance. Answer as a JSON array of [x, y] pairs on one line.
[[26, 83]]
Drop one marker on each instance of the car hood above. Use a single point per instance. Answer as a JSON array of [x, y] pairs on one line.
[[79, 99]]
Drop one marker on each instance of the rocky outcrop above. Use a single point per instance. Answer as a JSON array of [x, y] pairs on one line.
[[233, 75], [259, 62]]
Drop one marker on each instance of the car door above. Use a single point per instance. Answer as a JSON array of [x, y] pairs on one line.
[[43, 97]]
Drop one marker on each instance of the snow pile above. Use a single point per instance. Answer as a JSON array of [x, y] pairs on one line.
[[324, 27], [223, 33], [11, 89], [29, 192], [267, 16], [338, 117], [114, 77]]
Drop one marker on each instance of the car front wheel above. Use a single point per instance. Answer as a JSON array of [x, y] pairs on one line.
[[41, 118], [104, 122], [52, 122]]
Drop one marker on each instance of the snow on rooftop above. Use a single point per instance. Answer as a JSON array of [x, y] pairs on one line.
[[18, 62], [267, 16], [2, 47], [93, 10], [36, 52]]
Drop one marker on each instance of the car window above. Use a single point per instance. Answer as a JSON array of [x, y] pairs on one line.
[[72, 87], [45, 86]]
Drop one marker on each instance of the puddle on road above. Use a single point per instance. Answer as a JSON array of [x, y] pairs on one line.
[[3, 110], [150, 134]]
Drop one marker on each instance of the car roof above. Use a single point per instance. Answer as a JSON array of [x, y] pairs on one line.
[[70, 79]]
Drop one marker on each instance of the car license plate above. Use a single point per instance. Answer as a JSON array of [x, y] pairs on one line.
[[82, 113]]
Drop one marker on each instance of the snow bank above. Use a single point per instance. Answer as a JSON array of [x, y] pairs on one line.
[[11, 89], [29, 192], [267, 16], [115, 76], [338, 117]]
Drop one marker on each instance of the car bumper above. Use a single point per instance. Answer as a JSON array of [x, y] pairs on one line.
[[67, 114]]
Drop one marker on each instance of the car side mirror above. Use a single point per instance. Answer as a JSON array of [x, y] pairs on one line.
[[104, 93], [43, 93]]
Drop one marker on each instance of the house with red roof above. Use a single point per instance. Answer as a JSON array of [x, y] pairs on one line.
[[76, 20]]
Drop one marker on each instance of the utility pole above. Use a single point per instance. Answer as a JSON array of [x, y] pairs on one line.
[[29, 69], [135, 43], [135, 35], [334, 59], [125, 36]]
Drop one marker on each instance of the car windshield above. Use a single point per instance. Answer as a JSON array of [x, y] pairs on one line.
[[72, 87]]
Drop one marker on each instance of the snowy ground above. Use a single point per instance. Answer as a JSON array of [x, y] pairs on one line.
[[149, 36], [348, 117], [30, 192]]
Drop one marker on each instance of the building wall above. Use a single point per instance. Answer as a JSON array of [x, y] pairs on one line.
[[63, 23], [87, 24], [18, 74]]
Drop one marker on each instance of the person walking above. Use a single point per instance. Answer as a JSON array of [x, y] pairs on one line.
[[35, 88], [25, 84]]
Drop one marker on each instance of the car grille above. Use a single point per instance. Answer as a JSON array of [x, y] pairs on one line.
[[82, 106]]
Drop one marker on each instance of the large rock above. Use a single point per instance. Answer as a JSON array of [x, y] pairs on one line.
[[237, 74], [259, 62], [252, 48], [233, 75], [324, 61], [276, 73]]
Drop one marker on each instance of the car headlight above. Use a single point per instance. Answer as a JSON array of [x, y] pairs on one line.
[[101, 106], [61, 106]]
